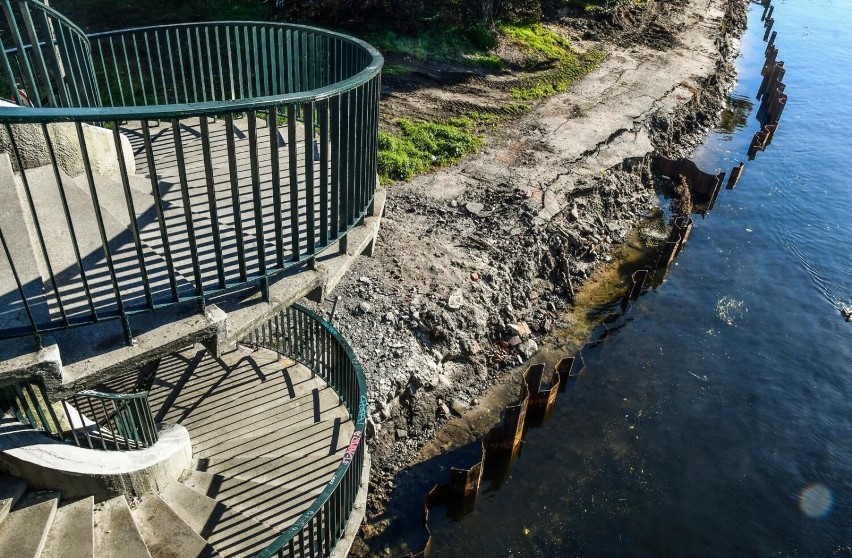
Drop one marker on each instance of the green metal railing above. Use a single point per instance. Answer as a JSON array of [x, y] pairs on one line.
[[89, 419], [302, 335], [258, 146], [48, 62]]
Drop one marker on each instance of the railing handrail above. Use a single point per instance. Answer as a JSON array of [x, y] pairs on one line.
[[130, 424], [46, 115], [356, 440], [58, 15], [115, 396]]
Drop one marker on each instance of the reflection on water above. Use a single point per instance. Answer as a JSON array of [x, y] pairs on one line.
[[716, 421], [735, 115]]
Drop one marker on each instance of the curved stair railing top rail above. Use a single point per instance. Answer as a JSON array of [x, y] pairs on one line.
[[45, 59], [89, 419], [227, 154], [302, 335]]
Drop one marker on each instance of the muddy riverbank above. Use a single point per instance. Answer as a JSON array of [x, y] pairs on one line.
[[482, 265]]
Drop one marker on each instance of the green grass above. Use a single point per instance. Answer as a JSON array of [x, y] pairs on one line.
[[395, 70], [538, 41], [417, 146], [450, 46], [545, 45]]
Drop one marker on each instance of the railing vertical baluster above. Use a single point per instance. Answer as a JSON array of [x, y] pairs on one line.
[[99, 216], [18, 284], [128, 71], [220, 70], [335, 103], [310, 198], [81, 62], [51, 412], [200, 63], [35, 43], [83, 423], [71, 424], [113, 432], [281, 61], [351, 163], [10, 75], [179, 42], [117, 72], [131, 213], [275, 169], [70, 75], [139, 69], [267, 63], [158, 207], [290, 63], [211, 196], [147, 42], [256, 192], [273, 62], [239, 61], [256, 67], [292, 164], [360, 153], [13, 143], [23, 60], [106, 80], [35, 413], [209, 55], [190, 52], [297, 61], [163, 82], [344, 184], [303, 63], [230, 57], [235, 194], [172, 68], [187, 208], [322, 109], [55, 64]]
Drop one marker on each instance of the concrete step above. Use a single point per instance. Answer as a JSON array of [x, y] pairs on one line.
[[84, 222], [230, 532], [277, 503], [72, 533], [20, 236], [24, 531], [167, 535], [265, 438], [116, 534], [11, 490]]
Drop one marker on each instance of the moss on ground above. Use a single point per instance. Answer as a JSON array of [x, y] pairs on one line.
[[417, 146], [449, 46], [545, 45]]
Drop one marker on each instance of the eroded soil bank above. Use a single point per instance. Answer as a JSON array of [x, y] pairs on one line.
[[481, 265]]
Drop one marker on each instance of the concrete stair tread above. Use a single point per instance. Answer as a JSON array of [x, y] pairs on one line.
[[116, 533], [24, 531], [230, 532], [165, 533], [20, 236], [274, 501], [11, 490], [72, 533], [309, 438]]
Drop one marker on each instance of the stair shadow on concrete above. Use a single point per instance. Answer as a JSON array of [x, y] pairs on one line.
[[267, 436]]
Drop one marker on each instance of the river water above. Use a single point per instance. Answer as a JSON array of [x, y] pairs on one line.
[[717, 421]]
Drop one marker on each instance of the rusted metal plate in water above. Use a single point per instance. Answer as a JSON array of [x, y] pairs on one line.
[[734, 179]]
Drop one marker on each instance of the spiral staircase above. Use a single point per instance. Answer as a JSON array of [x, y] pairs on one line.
[[167, 195]]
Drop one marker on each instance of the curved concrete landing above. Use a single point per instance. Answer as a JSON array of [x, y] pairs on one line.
[[77, 472]]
